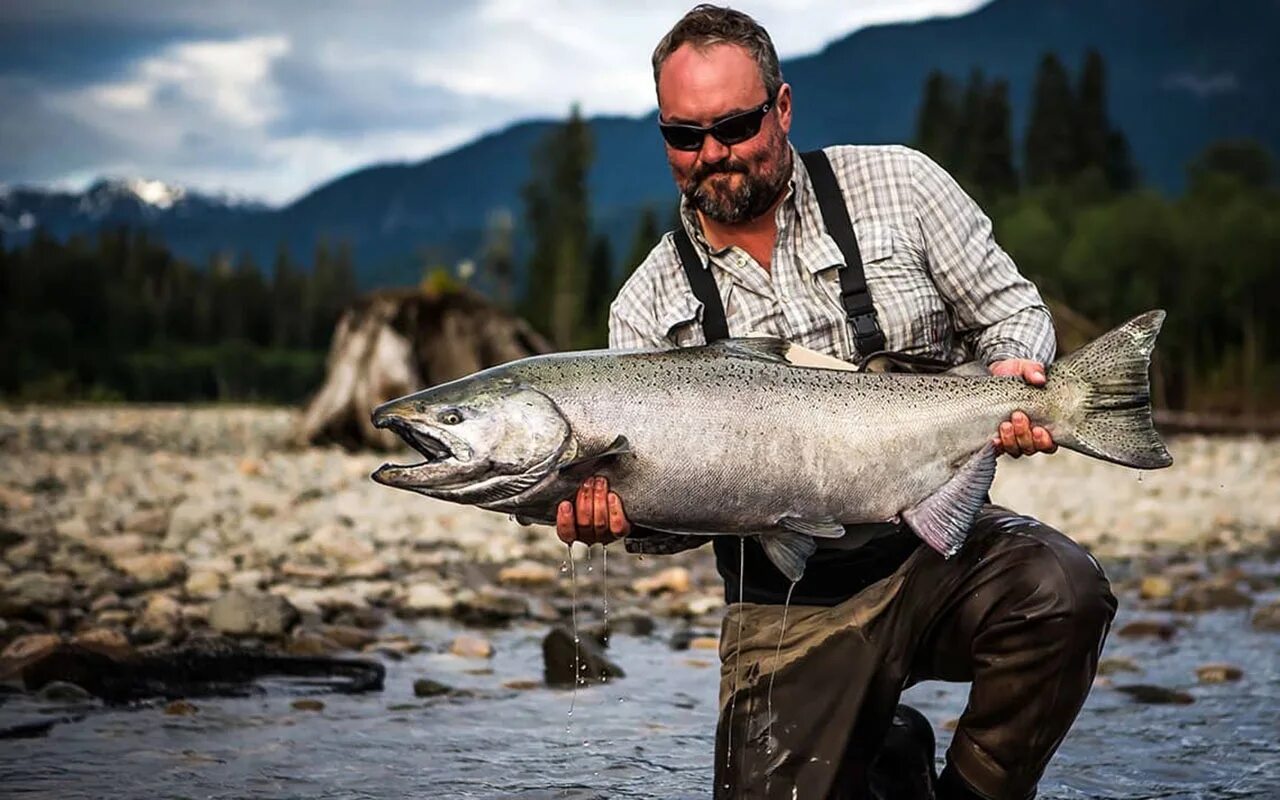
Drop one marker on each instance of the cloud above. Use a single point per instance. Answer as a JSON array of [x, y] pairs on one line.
[[269, 99]]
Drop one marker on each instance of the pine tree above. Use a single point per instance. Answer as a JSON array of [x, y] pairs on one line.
[[599, 292], [646, 238], [1091, 128], [937, 120], [991, 156], [1051, 154]]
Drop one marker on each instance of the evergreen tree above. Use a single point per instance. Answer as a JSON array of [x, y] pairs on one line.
[[1051, 153], [991, 150], [1099, 145], [599, 292], [645, 239], [559, 223], [937, 120], [498, 259]]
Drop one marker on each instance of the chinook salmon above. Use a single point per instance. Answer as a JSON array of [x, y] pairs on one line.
[[739, 438]]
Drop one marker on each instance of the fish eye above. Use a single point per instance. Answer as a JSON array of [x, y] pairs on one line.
[[451, 416]]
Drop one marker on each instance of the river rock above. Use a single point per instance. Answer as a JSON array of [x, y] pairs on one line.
[[674, 580], [15, 499], [349, 637], [150, 522], [33, 591], [242, 614], [161, 618], [471, 647], [1211, 597], [704, 643], [1219, 673], [64, 692], [1155, 587], [632, 623], [425, 687], [527, 573], [108, 641], [490, 606], [74, 528], [426, 598], [558, 658], [181, 708], [1147, 628], [310, 643], [153, 569], [247, 580], [307, 704], [1116, 665], [119, 545], [204, 584], [1267, 618], [1156, 695]]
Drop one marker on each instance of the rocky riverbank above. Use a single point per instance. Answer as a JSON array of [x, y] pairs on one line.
[[132, 529]]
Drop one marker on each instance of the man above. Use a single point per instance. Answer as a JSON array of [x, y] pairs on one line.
[[1021, 611]]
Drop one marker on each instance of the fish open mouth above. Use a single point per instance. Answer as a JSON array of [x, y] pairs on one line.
[[430, 447]]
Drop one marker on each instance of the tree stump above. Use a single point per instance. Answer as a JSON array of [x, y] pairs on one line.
[[397, 341]]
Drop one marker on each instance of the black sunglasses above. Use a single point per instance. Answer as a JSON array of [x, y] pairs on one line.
[[734, 129]]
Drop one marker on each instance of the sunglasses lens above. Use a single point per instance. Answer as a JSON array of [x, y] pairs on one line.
[[736, 130], [681, 137]]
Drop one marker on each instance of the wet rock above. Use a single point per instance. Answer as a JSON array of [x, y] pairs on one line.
[[150, 522], [15, 499], [153, 569], [107, 641], [425, 687], [64, 692], [698, 663], [1155, 587], [1211, 597], [632, 623], [204, 584], [181, 708], [120, 545], [310, 643], [368, 569], [522, 684], [161, 618], [349, 637], [74, 528], [673, 580], [1116, 665], [704, 643], [471, 647], [527, 573], [490, 606], [1267, 618], [426, 598], [558, 658], [1147, 628], [1219, 673], [242, 614], [307, 704], [33, 591], [1156, 695], [248, 580], [25, 650]]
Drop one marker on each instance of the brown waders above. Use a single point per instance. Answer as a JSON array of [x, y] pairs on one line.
[[1021, 612]]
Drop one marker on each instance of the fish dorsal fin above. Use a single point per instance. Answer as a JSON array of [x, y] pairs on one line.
[[761, 348], [804, 357], [788, 552], [943, 518], [619, 446], [821, 528]]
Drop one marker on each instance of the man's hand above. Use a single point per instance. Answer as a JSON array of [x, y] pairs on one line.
[[595, 516], [1017, 437]]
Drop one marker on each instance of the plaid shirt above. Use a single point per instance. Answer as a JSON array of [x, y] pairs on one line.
[[941, 285]]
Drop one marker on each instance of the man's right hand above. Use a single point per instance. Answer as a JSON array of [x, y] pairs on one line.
[[596, 515]]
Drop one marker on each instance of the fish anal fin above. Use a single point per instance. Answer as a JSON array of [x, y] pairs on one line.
[[820, 528], [788, 551], [619, 446], [943, 518]]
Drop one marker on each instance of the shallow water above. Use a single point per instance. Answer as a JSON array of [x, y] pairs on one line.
[[649, 735]]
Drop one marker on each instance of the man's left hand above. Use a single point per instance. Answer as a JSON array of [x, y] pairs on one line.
[[1018, 437]]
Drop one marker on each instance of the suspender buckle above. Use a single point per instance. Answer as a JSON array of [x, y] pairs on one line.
[[864, 325]]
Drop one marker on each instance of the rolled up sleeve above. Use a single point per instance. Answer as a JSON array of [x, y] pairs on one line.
[[997, 311]]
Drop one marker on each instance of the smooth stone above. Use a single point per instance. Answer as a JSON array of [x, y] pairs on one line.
[[1147, 628], [1219, 673], [1267, 618], [1211, 597], [426, 598], [310, 643], [560, 655], [527, 573], [150, 522], [204, 584], [64, 692], [471, 647], [490, 606], [108, 641], [1155, 587], [1115, 665], [522, 684], [33, 591], [1156, 695], [307, 704], [242, 614], [349, 637], [153, 569], [425, 687], [181, 708], [704, 643], [673, 580]]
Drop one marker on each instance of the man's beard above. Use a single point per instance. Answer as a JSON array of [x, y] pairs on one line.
[[752, 197]]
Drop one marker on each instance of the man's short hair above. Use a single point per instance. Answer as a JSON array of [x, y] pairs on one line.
[[708, 25]]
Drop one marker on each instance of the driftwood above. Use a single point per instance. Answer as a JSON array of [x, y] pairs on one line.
[[393, 342]]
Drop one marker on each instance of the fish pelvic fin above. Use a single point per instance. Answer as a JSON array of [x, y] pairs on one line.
[[943, 518], [788, 551], [1116, 420], [619, 446], [821, 528]]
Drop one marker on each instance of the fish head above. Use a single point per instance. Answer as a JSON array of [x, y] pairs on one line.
[[481, 440]]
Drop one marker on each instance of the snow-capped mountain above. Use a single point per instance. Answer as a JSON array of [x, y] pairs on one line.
[[110, 201]]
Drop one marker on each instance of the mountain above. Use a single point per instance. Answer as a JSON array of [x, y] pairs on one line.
[[1181, 73]]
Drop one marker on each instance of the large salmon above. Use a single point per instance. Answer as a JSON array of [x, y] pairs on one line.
[[736, 438]]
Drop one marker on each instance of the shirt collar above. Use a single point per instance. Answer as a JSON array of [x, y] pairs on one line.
[[799, 209]]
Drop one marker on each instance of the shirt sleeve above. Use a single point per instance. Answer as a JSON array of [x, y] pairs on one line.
[[997, 311]]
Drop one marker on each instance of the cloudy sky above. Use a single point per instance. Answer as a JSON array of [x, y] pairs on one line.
[[267, 99]]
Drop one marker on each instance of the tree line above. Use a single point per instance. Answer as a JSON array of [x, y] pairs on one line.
[[117, 316]]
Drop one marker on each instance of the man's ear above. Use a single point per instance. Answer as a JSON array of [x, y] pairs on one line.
[[784, 107]]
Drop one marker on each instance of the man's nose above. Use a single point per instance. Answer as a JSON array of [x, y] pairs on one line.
[[712, 150]]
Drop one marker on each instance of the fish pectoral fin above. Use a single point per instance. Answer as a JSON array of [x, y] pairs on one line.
[[619, 446], [821, 528], [788, 552], [943, 518]]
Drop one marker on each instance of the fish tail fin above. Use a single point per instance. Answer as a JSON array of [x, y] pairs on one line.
[[1114, 421]]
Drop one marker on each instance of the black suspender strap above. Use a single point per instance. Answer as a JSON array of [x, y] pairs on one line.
[[854, 294], [714, 325], [853, 280]]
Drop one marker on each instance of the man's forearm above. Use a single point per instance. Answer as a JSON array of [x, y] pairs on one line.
[[1027, 334]]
